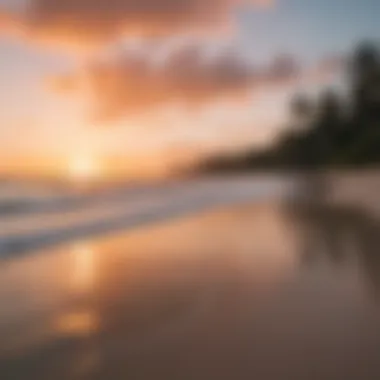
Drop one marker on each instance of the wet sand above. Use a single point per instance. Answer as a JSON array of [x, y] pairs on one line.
[[263, 290]]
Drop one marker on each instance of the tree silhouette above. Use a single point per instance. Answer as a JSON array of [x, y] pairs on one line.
[[366, 81], [301, 108], [331, 132]]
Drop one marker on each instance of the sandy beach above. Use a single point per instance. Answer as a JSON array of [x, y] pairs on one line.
[[221, 293]]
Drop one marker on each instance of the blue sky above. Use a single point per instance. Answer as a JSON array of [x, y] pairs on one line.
[[310, 28]]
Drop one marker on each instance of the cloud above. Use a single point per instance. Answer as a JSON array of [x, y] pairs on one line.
[[135, 82], [328, 67], [94, 21]]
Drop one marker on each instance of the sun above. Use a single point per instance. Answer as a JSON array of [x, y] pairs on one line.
[[83, 168]]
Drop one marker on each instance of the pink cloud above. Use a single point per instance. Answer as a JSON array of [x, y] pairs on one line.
[[133, 83], [94, 21]]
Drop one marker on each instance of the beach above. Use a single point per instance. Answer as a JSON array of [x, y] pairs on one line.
[[250, 285]]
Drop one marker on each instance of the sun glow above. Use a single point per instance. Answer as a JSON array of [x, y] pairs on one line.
[[84, 168]]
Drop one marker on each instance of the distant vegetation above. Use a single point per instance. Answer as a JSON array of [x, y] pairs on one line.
[[335, 130]]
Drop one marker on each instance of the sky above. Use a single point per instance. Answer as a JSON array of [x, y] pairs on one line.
[[157, 82]]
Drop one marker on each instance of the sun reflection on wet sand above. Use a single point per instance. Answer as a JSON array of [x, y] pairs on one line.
[[77, 323], [83, 271], [51, 297], [82, 320]]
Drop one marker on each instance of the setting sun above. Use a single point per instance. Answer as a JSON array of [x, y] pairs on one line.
[[83, 168]]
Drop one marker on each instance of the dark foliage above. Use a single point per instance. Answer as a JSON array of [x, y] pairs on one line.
[[332, 132]]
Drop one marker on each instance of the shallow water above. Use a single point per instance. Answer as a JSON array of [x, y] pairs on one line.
[[258, 291], [46, 222]]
